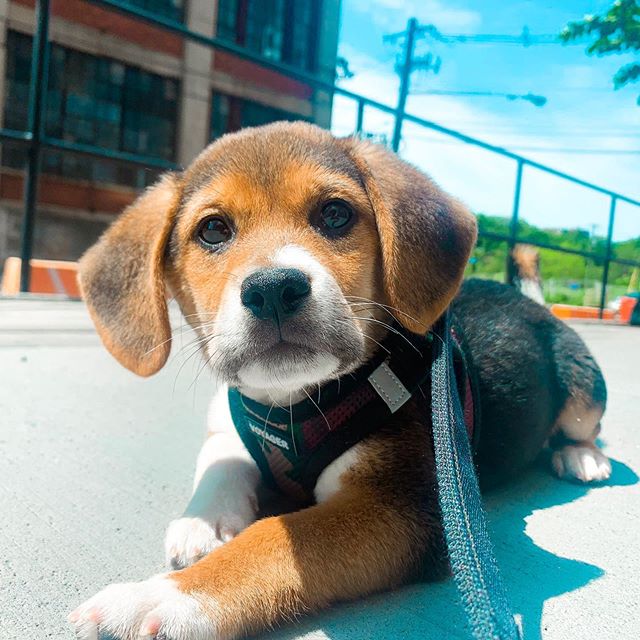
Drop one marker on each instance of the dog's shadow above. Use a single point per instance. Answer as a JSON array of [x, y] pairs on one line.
[[532, 574]]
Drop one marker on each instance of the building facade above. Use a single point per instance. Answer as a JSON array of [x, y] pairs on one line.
[[120, 83]]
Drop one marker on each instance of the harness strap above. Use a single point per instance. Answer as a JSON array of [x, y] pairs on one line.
[[473, 564]]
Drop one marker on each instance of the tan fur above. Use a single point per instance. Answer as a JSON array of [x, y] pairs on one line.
[[268, 216], [408, 250], [366, 538], [579, 420], [527, 261], [426, 236], [122, 280]]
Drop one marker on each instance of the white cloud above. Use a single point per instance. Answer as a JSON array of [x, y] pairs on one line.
[[393, 14], [579, 76], [485, 180]]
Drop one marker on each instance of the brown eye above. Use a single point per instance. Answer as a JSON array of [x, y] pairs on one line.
[[214, 231], [336, 217]]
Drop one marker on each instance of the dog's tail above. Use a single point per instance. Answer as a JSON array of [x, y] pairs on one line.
[[527, 278]]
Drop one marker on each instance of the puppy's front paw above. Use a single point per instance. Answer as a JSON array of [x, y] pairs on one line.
[[155, 608], [190, 538], [583, 462]]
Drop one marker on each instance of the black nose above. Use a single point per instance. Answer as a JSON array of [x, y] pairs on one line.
[[275, 294]]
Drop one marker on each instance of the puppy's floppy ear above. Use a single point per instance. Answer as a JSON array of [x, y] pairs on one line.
[[426, 236], [122, 279]]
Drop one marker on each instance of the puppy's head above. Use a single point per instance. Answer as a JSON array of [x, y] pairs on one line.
[[289, 252]]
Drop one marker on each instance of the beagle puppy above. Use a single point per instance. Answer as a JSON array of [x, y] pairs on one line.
[[296, 257]]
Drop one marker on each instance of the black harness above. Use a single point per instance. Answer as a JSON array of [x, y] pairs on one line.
[[293, 446]]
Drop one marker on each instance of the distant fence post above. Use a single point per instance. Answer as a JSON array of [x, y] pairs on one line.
[[360, 117], [37, 95], [607, 256], [513, 225]]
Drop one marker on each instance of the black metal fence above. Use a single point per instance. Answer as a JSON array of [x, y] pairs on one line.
[[35, 138]]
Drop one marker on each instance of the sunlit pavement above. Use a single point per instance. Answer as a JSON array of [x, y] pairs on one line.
[[94, 462]]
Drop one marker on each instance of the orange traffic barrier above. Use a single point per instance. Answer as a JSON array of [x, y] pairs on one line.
[[572, 312], [47, 276], [627, 305]]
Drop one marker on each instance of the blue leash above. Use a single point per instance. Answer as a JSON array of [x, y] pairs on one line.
[[473, 564]]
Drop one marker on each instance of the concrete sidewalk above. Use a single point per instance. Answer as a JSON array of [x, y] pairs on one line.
[[95, 462]]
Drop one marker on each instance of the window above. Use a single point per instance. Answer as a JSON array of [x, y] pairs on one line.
[[18, 50], [282, 30], [229, 113], [96, 101], [227, 23], [172, 9]]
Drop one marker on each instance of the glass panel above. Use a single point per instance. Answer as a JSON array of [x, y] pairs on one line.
[[480, 178], [377, 126], [220, 109], [254, 114], [624, 279], [344, 115], [149, 113], [18, 72], [488, 259], [626, 231], [265, 27], [227, 20], [251, 114], [570, 279], [11, 189], [95, 101], [303, 35], [172, 9], [557, 211]]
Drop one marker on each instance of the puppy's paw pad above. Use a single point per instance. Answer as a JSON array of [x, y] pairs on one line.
[[581, 462], [155, 608]]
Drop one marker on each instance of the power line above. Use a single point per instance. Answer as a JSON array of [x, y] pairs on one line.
[[525, 39], [591, 152], [538, 148], [407, 62], [538, 101]]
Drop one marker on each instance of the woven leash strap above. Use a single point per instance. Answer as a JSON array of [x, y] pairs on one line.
[[473, 564]]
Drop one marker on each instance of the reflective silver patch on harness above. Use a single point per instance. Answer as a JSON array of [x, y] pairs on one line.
[[389, 387]]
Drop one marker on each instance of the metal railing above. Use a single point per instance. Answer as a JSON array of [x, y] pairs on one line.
[[35, 138]]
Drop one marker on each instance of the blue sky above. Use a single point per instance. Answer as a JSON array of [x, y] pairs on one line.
[[583, 112]]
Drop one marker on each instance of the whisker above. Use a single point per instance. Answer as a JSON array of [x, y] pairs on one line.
[[208, 363], [276, 403], [182, 328], [202, 367], [387, 309], [200, 343], [378, 343], [175, 380], [197, 344], [199, 313], [318, 408], [263, 444], [293, 435], [384, 306], [393, 330]]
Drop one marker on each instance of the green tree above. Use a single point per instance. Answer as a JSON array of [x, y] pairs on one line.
[[617, 31]]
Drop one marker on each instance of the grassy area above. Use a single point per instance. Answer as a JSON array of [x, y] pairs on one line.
[[567, 278]]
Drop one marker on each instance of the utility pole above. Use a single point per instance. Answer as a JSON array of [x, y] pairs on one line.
[[405, 81], [430, 62]]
